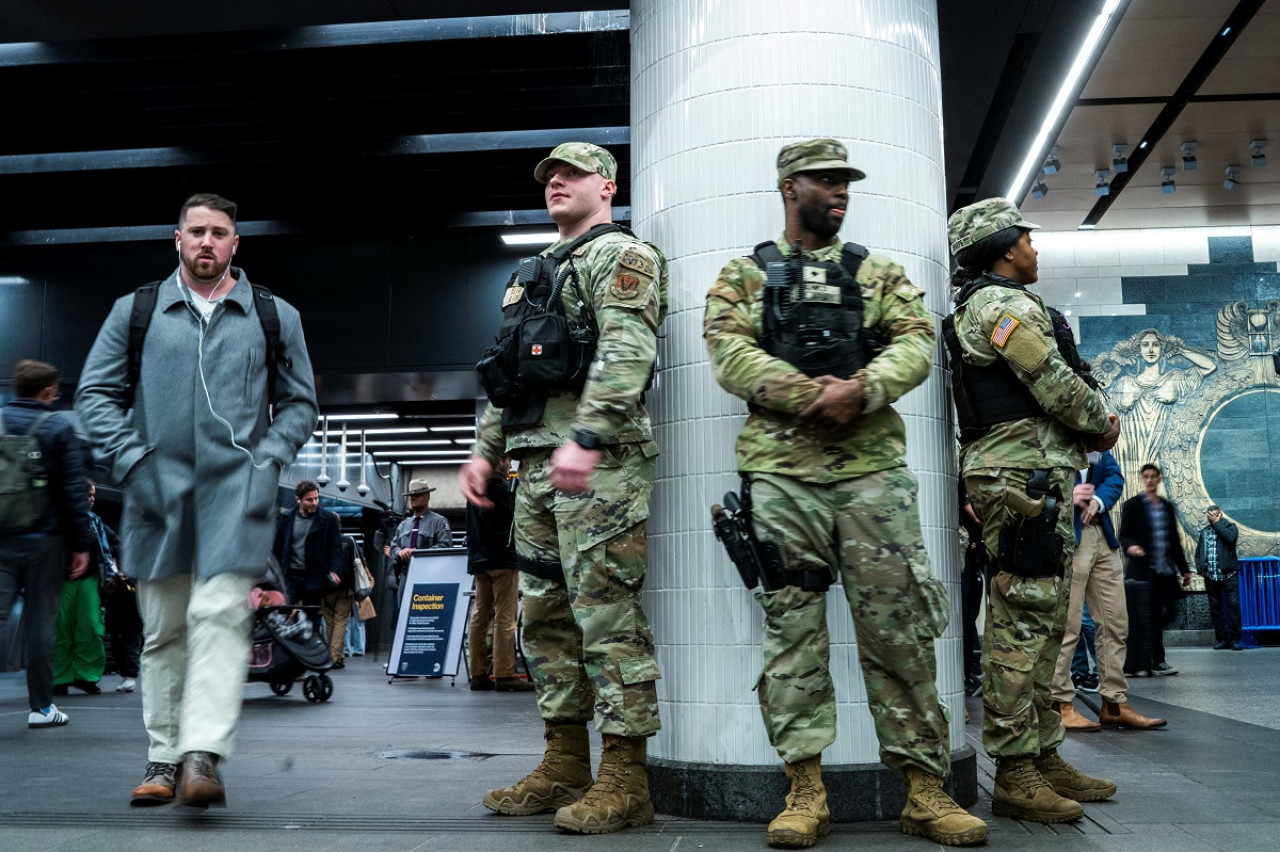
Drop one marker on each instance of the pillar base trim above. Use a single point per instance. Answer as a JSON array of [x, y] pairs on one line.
[[856, 792]]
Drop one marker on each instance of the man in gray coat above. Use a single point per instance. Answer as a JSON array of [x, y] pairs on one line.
[[197, 447]]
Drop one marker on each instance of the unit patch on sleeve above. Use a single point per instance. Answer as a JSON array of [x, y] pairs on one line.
[[626, 286], [633, 259]]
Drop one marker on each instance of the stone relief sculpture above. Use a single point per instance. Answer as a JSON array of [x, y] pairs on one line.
[[1149, 376]]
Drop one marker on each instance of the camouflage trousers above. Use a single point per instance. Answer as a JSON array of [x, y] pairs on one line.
[[866, 530], [1025, 621], [588, 641]]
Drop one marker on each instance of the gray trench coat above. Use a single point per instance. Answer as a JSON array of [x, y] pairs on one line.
[[194, 502]]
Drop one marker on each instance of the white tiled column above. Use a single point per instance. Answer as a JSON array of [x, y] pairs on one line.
[[717, 88]]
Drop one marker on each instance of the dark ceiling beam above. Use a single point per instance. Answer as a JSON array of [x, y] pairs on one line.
[[22, 54], [435, 143], [1226, 36], [272, 228]]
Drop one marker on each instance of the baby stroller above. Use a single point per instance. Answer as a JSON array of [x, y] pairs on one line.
[[287, 642]]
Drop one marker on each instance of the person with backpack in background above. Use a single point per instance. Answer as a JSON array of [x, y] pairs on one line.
[[44, 513]]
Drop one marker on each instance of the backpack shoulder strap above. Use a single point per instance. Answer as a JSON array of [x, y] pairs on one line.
[[851, 258], [596, 231], [144, 305], [767, 252], [265, 304], [38, 422]]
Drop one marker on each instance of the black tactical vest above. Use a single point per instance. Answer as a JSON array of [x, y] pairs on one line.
[[813, 311], [987, 395], [538, 348]]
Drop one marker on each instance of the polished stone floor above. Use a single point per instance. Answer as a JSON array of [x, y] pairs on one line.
[[402, 766]]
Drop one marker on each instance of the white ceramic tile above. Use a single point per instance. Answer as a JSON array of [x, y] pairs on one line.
[[714, 96]]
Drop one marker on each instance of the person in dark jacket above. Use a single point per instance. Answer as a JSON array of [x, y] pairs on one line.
[[309, 547], [1216, 561], [491, 559], [35, 559], [1149, 536]]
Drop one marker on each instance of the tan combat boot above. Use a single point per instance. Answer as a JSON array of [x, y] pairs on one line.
[[930, 812], [1115, 715], [1072, 719], [1021, 793], [620, 796], [560, 779], [1068, 781], [806, 817]]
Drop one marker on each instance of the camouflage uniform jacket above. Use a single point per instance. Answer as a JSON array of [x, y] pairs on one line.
[[626, 281], [1005, 320], [775, 439]]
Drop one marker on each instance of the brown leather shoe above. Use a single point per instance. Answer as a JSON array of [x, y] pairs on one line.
[[157, 785], [199, 784], [514, 684], [1115, 715], [1071, 718]]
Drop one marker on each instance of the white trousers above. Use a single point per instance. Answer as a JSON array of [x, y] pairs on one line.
[[195, 657]]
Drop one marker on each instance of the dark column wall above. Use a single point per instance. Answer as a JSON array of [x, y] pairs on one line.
[[368, 304]]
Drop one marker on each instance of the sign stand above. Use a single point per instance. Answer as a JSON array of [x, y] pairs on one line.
[[433, 615]]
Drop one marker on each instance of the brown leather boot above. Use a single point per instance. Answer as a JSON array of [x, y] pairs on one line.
[[1070, 782], [158, 783], [1115, 715], [199, 784], [1071, 718], [1021, 793], [805, 817], [620, 796], [930, 812], [560, 779]]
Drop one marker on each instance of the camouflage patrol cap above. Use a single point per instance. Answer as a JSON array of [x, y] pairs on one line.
[[814, 155], [976, 222], [592, 159]]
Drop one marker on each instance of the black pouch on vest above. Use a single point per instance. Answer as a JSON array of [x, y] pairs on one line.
[[544, 358]]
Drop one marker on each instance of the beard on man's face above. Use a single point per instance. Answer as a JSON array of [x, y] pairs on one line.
[[816, 218]]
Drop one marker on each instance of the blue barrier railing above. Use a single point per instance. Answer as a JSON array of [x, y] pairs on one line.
[[1259, 596]]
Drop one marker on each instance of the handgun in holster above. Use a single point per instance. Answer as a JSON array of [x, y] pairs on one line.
[[1030, 545], [759, 563]]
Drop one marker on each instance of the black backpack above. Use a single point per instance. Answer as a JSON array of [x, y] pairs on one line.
[[144, 304]]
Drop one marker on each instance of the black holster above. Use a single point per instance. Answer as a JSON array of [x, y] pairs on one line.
[[1030, 546], [543, 569]]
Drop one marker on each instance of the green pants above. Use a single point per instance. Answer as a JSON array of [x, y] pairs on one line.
[[1024, 626], [867, 530], [78, 653], [587, 639]]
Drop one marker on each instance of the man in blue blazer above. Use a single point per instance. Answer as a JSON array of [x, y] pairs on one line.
[[1097, 576]]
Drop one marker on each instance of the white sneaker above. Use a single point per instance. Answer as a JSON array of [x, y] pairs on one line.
[[127, 685], [53, 719]]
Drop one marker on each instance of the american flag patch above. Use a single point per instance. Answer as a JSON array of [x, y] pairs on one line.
[[1004, 328]]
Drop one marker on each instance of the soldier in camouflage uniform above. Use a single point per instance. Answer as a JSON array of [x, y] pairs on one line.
[[825, 458], [1025, 403], [586, 473]]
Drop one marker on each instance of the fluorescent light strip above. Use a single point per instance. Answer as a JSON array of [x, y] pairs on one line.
[[1036, 155], [420, 442], [400, 430], [535, 238], [453, 428], [391, 454], [349, 417]]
